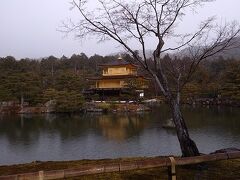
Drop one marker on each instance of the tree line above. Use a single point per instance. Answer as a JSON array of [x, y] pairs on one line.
[[64, 79]]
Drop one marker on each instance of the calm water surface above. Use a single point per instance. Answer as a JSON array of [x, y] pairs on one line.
[[26, 138]]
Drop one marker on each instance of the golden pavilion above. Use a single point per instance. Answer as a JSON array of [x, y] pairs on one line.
[[119, 76]]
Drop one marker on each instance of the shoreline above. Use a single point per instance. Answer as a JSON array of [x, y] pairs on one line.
[[106, 107]]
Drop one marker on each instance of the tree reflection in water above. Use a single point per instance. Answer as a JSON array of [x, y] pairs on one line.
[[24, 138]]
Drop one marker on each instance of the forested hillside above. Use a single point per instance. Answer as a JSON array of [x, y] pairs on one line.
[[64, 79]]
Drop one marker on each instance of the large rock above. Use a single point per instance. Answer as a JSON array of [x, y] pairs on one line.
[[50, 106]]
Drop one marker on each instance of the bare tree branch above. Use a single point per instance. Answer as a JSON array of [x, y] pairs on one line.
[[125, 20]]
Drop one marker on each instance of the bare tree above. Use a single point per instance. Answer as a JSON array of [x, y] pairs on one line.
[[124, 20]]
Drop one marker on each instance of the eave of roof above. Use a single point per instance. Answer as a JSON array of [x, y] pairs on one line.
[[118, 77]]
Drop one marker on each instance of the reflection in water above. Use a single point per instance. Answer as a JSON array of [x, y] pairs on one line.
[[25, 138], [121, 127]]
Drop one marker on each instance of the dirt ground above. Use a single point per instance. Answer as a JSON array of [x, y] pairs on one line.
[[220, 170]]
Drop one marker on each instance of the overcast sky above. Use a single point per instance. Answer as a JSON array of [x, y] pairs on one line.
[[28, 28]]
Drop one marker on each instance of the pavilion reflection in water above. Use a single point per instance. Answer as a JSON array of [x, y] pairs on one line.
[[122, 127]]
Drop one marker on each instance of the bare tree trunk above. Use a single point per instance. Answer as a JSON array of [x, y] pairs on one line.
[[187, 145], [22, 101], [157, 19]]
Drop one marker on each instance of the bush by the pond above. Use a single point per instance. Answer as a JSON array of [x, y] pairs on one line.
[[66, 101]]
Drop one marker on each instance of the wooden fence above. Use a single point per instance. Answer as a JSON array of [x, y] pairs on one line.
[[170, 162]]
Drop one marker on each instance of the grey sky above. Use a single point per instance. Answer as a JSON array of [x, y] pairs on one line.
[[28, 27]]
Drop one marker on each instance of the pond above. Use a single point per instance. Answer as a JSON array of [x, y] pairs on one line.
[[27, 138]]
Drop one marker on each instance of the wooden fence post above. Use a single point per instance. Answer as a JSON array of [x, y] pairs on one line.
[[41, 175], [172, 169]]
